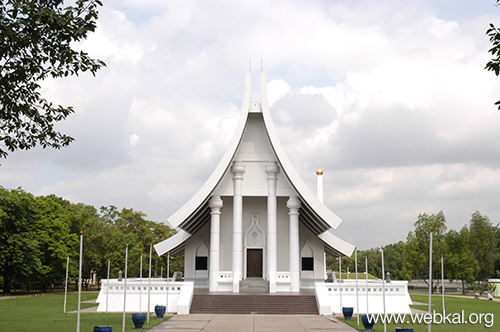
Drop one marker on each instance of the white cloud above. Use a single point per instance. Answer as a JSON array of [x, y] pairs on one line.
[[389, 97], [133, 139], [276, 89]]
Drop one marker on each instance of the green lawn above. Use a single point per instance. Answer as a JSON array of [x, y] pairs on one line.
[[45, 314], [352, 275], [452, 305]]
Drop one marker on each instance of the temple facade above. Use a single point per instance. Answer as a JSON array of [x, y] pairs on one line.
[[254, 218], [255, 226]]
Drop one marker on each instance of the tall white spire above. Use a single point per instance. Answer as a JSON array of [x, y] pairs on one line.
[[319, 184]]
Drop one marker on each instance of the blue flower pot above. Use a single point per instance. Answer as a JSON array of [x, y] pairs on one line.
[[138, 320], [368, 324], [103, 328], [347, 311], [160, 311]]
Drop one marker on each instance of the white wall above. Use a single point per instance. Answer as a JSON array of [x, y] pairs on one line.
[[254, 205], [191, 245], [318, 247]]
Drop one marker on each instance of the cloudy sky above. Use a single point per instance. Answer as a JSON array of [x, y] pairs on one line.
[[389, 97]]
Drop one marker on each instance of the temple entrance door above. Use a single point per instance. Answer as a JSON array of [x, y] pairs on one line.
[[254, 263]]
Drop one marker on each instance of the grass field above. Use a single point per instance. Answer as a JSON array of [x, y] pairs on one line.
[[45, 314], [452, 305], [352, 275]]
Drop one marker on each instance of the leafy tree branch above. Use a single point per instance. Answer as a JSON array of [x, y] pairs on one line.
[[36, 39]]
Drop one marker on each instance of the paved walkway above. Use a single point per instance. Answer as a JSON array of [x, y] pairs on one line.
[[250, 323]]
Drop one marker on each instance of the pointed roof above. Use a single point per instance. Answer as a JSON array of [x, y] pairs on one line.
[[313, 213]]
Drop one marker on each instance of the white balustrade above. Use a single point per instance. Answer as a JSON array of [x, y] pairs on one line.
[[137, 295], [397, 298]]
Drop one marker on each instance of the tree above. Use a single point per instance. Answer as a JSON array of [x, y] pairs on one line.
[[483, 244], [497, 260], [18, 243], [416, 251], [55, 242], [393, 257], [36, 39], [459, 261], [37, 234], [494, 64]]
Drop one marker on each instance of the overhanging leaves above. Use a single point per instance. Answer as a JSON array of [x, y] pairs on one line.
[[35, 43]]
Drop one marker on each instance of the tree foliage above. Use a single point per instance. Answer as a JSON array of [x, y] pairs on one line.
[[460, 263], [483, 244], [18, 243], [37, 41], [494, 64], [416, 251], [471, 255], [37, 234]]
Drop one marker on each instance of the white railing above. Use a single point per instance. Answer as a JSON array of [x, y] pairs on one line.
[[176, 293], [331, 295]]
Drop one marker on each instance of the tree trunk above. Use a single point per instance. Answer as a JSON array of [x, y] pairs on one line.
[[6, 284]]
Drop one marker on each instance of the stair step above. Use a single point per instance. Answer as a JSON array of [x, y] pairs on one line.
[[254, 304]]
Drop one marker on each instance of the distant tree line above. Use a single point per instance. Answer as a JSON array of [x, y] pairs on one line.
[[37, 233], [471, 255]]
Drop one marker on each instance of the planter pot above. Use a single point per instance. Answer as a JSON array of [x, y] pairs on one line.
[[160, 311], [404, 329], [347, 311], [103, 328], [366, 323], [138, 320]]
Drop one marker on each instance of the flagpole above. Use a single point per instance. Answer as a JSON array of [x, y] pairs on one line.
[[383, 288], [66, 283], [149, 281], [340, 282], [125, 288], [79, 282], [107, 284], [357, 300], [168, 278], [430, 274], [442, 278], [140, 287], [366, 269]]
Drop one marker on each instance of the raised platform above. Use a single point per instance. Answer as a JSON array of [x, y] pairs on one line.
[[207, 303]]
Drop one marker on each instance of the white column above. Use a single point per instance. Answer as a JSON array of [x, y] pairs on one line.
[[215, 205], [272, 239], [237, 169], [293, 205]]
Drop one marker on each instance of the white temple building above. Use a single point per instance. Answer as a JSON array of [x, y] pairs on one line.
[[256, 221], [254, 217]]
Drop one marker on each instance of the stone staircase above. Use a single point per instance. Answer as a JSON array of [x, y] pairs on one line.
[[254, 285], [254, 304]]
